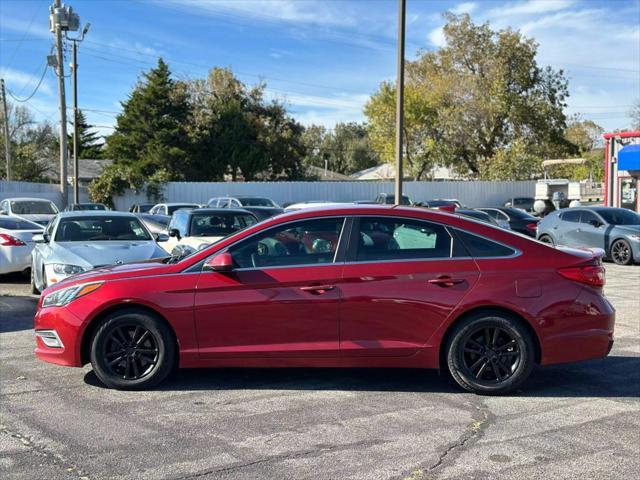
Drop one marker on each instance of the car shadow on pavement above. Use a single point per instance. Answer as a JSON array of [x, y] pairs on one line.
[[614, 376]]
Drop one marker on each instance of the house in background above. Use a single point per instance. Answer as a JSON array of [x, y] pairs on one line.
[[387, 172], [88, 170]]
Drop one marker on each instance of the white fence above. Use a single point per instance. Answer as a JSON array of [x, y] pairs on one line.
[[473, 194]]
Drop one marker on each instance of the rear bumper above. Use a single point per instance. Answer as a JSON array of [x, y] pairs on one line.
[[68, 327], [585, 334]]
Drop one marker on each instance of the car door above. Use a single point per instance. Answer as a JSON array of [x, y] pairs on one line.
[[281, 299], [400, 283], [565, 231], [591, 231]]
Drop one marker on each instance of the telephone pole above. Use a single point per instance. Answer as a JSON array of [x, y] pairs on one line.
[[7, 146], [56, 24], [402, 9], [74, 68]]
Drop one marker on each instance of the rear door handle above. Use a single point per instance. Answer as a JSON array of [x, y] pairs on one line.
[[317, 289], [445, 281]]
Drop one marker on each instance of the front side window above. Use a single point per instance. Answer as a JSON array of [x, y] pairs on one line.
[[387, 238], [308, 242], [588, 217], [100, 229]]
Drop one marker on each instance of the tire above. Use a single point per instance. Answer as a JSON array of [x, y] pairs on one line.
[[546, 239], [132, 350], [496, 370], [34, 287], [620, 252]]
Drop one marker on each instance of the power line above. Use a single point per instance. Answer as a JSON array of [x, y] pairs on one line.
[[26, 32], [22, 100]]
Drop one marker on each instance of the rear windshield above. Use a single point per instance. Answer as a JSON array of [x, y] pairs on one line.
[[256, 202], [18, 224], [219, 225], [100, 229], [619, 216], [33, 207]]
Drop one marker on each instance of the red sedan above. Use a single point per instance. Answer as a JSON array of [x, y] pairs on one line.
[[352, 286]]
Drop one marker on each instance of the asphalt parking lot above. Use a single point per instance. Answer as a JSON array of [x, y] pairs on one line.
[[569, 421]]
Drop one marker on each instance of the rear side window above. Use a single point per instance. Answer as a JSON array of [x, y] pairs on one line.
[[588, 217], [385, 238], [571, 216], [480, 247]]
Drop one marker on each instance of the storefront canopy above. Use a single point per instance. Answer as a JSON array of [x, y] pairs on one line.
[[629, 158]]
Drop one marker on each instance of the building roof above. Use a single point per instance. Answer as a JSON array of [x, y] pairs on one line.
[[89, 169]]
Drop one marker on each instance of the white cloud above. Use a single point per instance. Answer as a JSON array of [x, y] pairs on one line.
[[18, 82], [437, 38], [466, 7], [530, 7], [23, 27]]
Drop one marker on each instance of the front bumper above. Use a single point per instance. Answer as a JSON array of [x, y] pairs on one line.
[[69, 330]]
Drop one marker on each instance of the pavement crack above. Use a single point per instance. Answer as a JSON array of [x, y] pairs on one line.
[[41, 451]]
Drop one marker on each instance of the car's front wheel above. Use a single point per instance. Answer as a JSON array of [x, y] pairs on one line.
[[490, 353], [546, 239], [621, 252], [34, 288], [132, 350]]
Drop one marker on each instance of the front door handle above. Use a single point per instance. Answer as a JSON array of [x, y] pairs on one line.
[[317, 289], [445, 281]]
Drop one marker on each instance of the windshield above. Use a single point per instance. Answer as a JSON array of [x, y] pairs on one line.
[[18, 224], [219, 225], [89, 206], [100, 228], [173, 208], [619, 216], [256, 202], [33, 207]]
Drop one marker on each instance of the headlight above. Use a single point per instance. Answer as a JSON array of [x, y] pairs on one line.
[[62, 297], [65, 269]]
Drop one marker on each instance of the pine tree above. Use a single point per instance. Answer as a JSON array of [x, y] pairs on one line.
[[151, 133], [88, 146]]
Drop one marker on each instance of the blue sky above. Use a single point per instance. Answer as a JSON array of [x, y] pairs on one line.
[[323, 57]]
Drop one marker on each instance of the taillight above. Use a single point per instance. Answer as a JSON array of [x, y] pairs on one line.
[[590, 275], [532, 226], [7, 240]]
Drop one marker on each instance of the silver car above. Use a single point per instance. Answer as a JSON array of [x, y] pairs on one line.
[[615, 230], [39, 210], [75, 242]]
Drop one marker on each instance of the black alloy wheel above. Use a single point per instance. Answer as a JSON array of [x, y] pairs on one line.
[[490, 353], [621, 252], [132, 349]]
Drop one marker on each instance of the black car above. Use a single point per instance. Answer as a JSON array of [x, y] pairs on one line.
[[478, 215], [261, 207], [522, 203], [155, 223], [519, 220], [141, 207]]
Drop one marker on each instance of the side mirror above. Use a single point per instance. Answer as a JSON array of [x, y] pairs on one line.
[[174, 232], [222, 262], [42, 238], [161, 237]]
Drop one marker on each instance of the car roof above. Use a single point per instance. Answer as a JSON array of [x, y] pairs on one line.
[[173, 204], [219, 211], [28, 199], [96, 213]]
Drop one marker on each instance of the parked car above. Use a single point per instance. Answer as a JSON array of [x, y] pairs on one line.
[[155, 223], [615, 230], [261, 207], [319, 288], [522, 203], [437, 203], [168, 208], [16, 243], [75, 242], [191, 230], [482, 216], [141, 207], [76, 207], [390, 199], [310, 204], [518, 220], [37, 210]]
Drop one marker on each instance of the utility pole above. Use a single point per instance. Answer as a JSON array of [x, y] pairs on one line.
[[74, 68], [56, 24], [402, 9], [7, 146]]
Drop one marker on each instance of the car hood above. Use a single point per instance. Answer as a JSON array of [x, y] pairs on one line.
[[154, 266], [102, 253]]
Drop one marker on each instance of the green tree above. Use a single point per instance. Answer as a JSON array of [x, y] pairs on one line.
[[151, 132], [88, 140], [472, 102]]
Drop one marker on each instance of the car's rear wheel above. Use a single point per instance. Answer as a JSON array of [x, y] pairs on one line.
[[621, 252], [490, 353], [132, 350], [546, 239]]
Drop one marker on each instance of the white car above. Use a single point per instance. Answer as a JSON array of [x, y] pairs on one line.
[[16, 243], [311, 204], [168, 208], [75, 242], [39, 210]]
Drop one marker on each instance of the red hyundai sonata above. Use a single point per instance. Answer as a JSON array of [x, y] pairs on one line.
[[352, 286]]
